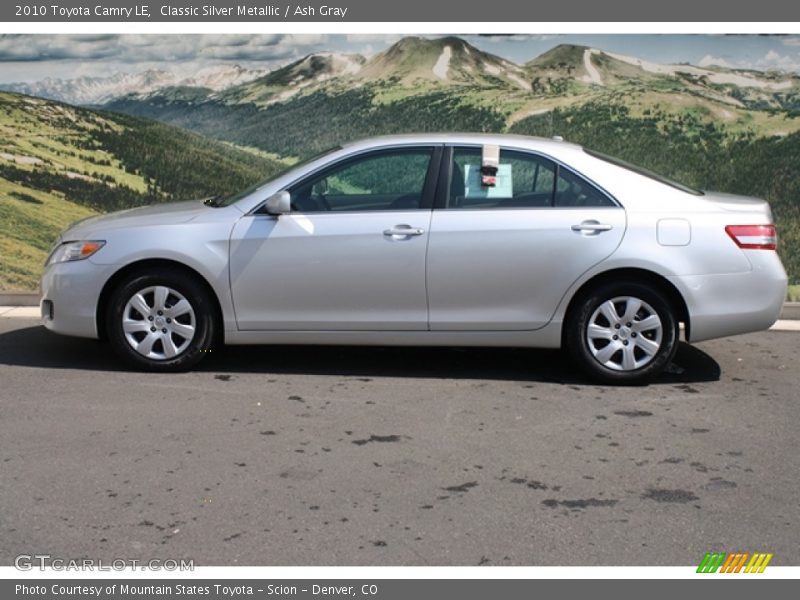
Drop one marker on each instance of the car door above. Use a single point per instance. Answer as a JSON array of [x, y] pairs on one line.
[[350, 256], [501, 258]]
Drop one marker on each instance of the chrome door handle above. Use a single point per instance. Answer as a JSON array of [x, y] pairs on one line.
[[592, 227], [403, 230]]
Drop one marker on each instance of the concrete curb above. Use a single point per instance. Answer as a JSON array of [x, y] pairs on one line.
[[791, 311], [19, 312], [18, 299]]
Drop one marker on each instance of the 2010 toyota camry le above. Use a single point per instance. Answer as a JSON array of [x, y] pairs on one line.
[[442, 239]]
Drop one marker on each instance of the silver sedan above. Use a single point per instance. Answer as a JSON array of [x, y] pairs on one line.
[[449, 240]]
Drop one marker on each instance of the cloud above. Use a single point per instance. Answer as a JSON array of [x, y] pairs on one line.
[[708, 60], [360, 38], [791, 41], [771, 61], [776, 60], [517, 37], [142, 48], [368, 51], [45, 47]]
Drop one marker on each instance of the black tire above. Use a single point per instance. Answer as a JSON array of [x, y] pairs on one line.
[[201, 317], [583, 349]]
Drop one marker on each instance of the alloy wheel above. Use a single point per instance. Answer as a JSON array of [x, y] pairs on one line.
[[624, 333], [158, 322]]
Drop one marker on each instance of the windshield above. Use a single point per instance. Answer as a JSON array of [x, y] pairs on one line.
[[646, 172], [228, 200]]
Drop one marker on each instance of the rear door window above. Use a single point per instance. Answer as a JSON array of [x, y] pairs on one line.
[[524, 180]]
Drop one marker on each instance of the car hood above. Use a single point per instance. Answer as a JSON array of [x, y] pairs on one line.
[[156, 214]]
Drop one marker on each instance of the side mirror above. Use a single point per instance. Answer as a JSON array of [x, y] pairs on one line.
[[279, 204]]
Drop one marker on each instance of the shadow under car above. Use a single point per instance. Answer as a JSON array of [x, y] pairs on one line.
[[37, 347]]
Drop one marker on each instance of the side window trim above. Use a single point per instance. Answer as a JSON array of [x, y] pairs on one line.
[[443, 189], [428, 189], [431, 179], [443, 184]]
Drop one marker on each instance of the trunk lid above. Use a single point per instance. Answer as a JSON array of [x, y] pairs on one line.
[[740, 204]]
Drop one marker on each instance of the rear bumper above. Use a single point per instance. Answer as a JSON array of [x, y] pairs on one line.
[[729, 304], [70, 292]]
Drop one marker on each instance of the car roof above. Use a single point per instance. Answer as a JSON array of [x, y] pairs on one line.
[[499, 139]]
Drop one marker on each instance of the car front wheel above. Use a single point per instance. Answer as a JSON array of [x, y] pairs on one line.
[[622, 333], [161, 321]]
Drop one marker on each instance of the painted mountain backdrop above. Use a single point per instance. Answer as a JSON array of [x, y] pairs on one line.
[[97, 90], [713, 127], [60, 163]]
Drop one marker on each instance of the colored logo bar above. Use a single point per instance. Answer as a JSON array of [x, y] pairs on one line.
[[734, 562]]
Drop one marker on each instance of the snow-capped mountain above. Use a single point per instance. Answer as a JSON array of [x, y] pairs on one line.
[[220, 77], [445, 60], [416, 65], [307, 73], [602, 68], [413, 62], [98, 90]]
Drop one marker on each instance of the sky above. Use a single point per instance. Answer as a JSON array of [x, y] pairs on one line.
[[29, 58]]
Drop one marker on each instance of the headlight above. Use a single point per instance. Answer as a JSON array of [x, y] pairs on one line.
[[69, 251]]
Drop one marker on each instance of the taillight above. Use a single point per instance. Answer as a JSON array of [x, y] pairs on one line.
[[753, 237]]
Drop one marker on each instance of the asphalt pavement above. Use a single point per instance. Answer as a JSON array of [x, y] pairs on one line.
[[397, 456]]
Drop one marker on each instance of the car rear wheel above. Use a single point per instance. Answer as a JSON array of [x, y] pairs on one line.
[[623, 332], [161, 321]]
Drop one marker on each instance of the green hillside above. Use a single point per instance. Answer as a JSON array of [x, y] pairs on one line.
[[59, 163], [314, 122]]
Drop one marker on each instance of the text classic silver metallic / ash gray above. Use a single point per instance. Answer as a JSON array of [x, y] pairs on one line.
[[456, 240]]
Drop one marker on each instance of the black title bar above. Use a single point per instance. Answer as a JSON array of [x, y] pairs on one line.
[[337, 11]]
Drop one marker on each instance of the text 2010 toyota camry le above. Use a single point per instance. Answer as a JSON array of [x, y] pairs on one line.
[[463, 240]]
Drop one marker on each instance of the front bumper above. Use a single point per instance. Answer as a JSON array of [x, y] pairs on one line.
[[70, 293], [721, 305]]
